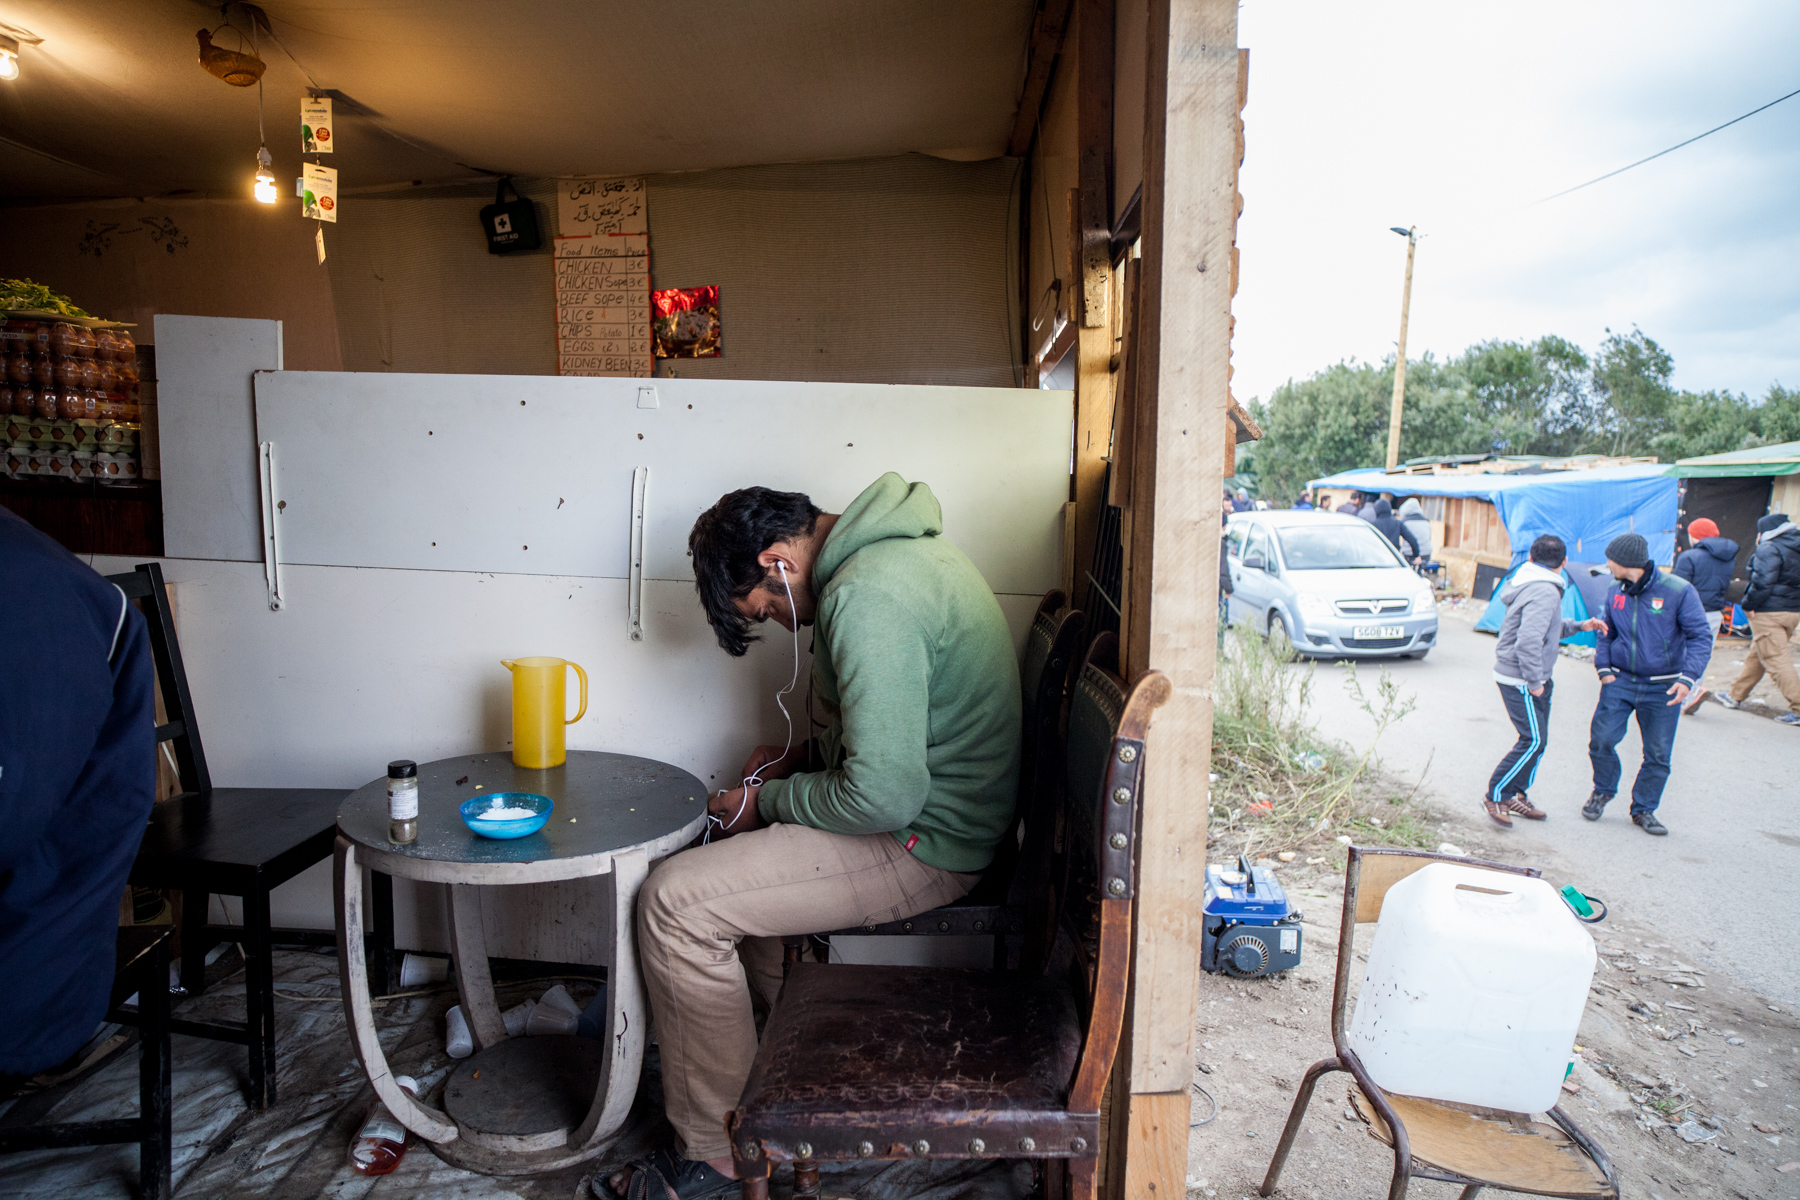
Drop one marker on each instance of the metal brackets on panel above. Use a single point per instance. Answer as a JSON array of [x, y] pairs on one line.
[[271, 539], [640, 491]]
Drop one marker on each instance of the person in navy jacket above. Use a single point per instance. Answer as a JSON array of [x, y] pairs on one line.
[[1651, 655], [77, 780]]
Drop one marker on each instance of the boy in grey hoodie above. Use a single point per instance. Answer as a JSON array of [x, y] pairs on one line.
[[1529, 636]]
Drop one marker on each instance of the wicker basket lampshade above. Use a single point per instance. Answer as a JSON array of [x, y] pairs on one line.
[[239, 70]]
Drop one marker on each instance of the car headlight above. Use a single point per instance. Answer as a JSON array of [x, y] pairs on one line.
[[1425, 602], [1313, 606]]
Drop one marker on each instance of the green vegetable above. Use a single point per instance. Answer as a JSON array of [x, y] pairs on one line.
[[25, 294]]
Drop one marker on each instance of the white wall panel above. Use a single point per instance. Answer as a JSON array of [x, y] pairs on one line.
[[532, 474], [207, 429]]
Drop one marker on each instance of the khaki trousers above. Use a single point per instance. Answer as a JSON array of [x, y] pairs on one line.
[[709, 920], [1770, 634]]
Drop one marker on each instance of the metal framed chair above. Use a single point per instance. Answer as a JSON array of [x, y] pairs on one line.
[[866, 1063], [241, 842], [141, 966], [1431, 1139], [1012, 886]]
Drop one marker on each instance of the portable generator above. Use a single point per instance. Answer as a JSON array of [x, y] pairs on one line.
[[1248, 929]]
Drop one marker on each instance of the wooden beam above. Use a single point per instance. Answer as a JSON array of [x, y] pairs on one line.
[[1094, 148], [1046, 42], [1189, 223], [1053, 350], [1091, 308]]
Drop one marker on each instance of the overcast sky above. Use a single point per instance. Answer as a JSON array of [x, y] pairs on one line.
[[1455, 116]]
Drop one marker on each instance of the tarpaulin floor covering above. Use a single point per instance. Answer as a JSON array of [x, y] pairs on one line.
[[298, 1149]]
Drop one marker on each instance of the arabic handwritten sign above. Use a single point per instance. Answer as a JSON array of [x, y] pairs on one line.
[[603, 278]]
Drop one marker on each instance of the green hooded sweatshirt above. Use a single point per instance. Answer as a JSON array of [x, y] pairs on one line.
[[915, 673]]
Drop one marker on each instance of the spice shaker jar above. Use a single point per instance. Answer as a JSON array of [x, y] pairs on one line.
[[403, 801]]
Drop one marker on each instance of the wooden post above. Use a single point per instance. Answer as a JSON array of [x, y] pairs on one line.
[[1393, 455], [1189, 223], [1091, 281]]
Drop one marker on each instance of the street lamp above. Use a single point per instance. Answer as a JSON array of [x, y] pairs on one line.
[[1393, 449]]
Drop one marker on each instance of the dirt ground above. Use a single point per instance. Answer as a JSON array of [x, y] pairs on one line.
[[1691, 1084]]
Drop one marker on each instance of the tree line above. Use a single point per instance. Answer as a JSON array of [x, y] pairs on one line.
[[1546, 397]]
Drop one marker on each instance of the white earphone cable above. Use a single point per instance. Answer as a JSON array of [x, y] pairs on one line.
[[713, 821]]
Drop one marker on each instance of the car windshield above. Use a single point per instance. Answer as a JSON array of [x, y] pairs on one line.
[[1336, 547]]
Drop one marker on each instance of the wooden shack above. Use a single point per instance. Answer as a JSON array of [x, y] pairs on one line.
[[976, 197]]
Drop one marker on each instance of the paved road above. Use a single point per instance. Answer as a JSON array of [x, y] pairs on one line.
[[1724, 885]]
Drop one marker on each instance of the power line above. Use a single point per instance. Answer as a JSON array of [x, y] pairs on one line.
[[1678, 145]]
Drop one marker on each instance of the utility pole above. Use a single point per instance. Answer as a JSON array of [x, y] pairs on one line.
[[1393, 454]]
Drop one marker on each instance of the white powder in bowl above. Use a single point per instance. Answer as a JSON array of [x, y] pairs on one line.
[[506, 814]]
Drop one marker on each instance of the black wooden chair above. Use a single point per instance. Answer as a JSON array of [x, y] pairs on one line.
[[1430, 1139], [142, 966], [241, 842], [873, 1062], [1016, 883]]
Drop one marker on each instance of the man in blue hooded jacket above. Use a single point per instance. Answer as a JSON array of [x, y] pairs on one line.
[[1651, 655], [77, 779]]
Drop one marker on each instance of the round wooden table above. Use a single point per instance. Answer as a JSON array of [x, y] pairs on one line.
[[539, 1103]]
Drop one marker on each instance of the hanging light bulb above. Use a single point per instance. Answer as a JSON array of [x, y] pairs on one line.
[[9, 58], [265, 177]]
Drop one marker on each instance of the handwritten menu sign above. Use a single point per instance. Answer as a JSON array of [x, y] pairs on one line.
[[603, 278]]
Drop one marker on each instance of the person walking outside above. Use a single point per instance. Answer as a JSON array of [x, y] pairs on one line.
[[1773, 602], [1655, 645], [1530, 636], [1393, 530], [1707, 564], [1412, 515]]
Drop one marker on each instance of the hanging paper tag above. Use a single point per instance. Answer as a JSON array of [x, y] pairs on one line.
[[319, 241], [320, 200], [315, 124]]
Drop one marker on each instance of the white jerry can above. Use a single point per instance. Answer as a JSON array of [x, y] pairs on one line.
[[1475, 988]]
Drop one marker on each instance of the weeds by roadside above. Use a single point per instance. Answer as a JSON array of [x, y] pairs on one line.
[[1280, 786]]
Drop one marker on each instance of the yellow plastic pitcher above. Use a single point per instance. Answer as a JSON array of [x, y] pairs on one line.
[[540, 697]]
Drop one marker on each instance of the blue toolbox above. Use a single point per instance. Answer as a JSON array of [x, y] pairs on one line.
[[1248, 928]]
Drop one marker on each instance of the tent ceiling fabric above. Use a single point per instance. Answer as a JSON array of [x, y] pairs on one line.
[[114, 101]]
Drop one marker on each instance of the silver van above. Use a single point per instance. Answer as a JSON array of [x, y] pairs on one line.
[[1333, 584]]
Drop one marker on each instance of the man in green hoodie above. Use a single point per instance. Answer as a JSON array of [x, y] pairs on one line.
[[894, 809]]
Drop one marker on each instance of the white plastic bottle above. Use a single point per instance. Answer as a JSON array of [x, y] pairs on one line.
[[1475, 989]]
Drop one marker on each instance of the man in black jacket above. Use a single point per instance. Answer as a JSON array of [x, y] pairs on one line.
[[1393, 530], [1773, 602], [1707, 563]]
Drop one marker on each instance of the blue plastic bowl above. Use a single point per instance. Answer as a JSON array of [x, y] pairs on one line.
[[541, 807]]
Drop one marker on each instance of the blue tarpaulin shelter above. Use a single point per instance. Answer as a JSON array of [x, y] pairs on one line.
[[1586, 509], [1574, 606]]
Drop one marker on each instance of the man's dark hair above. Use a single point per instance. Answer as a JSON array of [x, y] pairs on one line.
[[724, 545], [1549, 551]]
